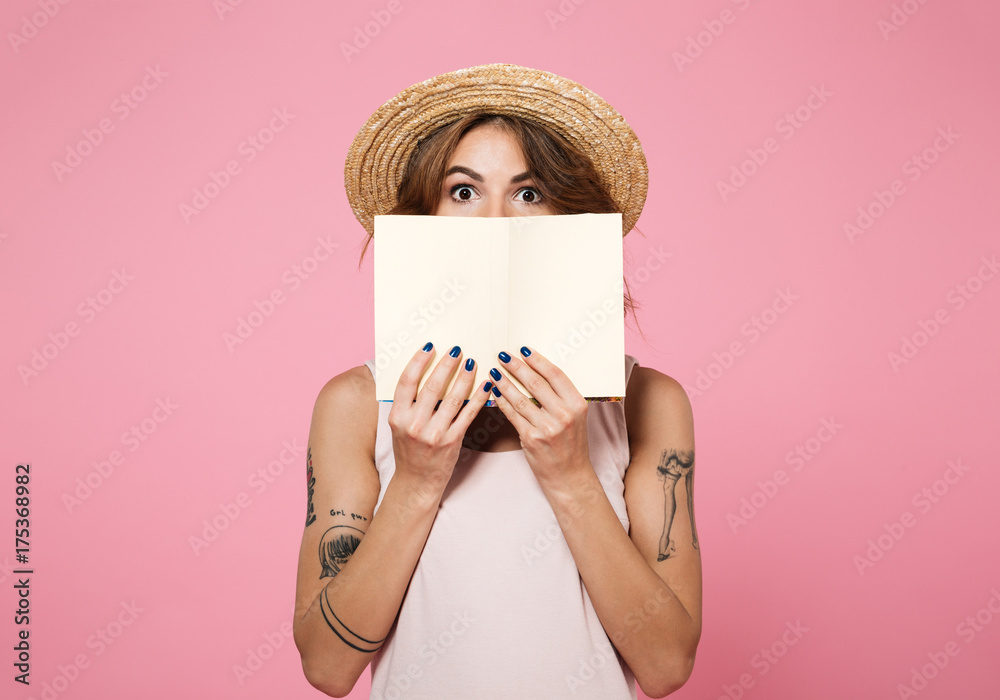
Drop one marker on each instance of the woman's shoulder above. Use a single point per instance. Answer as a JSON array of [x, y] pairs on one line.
[[347, 403], [353, 385], [654, 400], [645, 379]]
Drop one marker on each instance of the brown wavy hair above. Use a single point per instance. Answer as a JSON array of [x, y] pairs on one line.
[[565, 177]]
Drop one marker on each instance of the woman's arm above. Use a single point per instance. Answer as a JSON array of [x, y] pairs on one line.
[[354, 565], [646, 594]]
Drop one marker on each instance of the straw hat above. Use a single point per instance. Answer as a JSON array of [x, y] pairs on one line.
[[377, 159]]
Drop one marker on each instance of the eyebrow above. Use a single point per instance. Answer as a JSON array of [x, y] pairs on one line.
[[479, 178]]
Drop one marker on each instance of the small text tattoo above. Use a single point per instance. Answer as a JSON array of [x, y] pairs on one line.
[[354, 516], [337, 546], [673, 465], [311, 486]]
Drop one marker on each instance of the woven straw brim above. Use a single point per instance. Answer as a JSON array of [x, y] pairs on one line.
[[378, 157]]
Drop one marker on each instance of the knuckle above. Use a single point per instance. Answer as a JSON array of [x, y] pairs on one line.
[[562, 415], [535, 383], [470, 412], [466, 419]]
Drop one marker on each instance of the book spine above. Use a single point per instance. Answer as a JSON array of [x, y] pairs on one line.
[[500, 285]]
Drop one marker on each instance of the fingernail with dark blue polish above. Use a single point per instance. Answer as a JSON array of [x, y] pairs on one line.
[[504, 357], [427, 348], [469, 364], [525, 351], [495, 373], [487, 387], [496, 392], [455, 351]]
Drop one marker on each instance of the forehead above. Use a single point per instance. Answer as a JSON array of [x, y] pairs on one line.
[[488, 141]]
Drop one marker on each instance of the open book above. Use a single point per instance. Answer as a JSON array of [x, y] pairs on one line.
[[491, 284]]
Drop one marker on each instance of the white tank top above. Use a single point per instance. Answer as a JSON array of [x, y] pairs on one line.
[[496, 607]]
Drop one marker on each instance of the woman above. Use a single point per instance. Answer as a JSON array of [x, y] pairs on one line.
[[517, 551]]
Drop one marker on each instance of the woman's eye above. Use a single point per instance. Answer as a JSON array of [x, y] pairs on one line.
[[463, 193], [528, 196]]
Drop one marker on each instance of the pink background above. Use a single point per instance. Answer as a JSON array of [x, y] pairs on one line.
[[200, 615]]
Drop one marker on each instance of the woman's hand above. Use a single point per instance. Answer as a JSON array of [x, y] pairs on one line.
[[554, 434], [426, 442]]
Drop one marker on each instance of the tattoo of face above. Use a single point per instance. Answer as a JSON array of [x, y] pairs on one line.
[[337, 546], [673, 465], [310, 486]]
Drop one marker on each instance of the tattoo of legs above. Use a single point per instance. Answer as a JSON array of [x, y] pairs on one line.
[[336, 547], [689, 487], [673, 465], [310, 486]]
